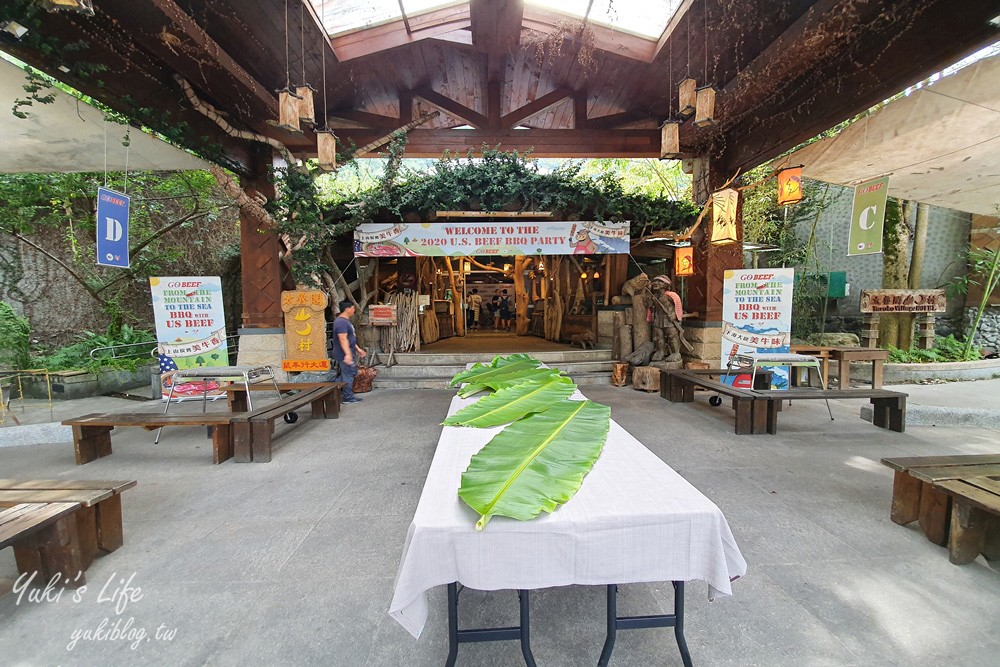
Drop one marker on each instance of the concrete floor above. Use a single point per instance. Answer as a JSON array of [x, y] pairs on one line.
[[487, 340], [292, 562]]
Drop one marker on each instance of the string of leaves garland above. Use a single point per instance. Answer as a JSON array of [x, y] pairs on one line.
[[539, 460], [496, 181]]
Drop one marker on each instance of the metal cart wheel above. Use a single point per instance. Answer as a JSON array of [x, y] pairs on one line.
[[715, 401], [291, 417]]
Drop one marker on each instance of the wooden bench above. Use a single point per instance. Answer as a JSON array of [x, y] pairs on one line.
[[889, 407], [253, 431], [98, 517], [92, 433], [237, 394], [677, 386], [45, 540], [956, 500]]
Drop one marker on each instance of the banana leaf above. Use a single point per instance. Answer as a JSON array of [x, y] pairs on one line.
[[537, 463], [512, 403], [512, 375], [478, 370]]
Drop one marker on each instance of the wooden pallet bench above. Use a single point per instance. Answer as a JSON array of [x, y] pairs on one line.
[[237, 393], [956, 500], [757, 409], [92, 433], [677, 386], [253, 431], [45, 540], [889, 407]]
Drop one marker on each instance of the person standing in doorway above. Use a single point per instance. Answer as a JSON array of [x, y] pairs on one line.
[[505, 315], [495, 309], [475, 305], [346, 350]]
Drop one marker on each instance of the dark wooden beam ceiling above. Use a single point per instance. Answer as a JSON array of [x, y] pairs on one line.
[[496, 25]]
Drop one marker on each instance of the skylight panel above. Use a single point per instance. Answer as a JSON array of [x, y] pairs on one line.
[[340, 16], [646, 18]]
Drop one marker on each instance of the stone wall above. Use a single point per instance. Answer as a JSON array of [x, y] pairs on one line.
[[989, 327], [947, 238]]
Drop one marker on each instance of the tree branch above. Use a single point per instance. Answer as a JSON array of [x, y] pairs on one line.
[[76, 276]]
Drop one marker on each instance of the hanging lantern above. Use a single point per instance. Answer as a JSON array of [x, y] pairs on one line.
[[687, 94], [326, 150], [307, 111], [288, 110], [82, 6], [725, 208], [670, 140], [684, 261], [705, 106], [789, 186]]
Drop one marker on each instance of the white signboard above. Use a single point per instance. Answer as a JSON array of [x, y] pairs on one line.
[[190, 327], [491, 238], [757, 315]]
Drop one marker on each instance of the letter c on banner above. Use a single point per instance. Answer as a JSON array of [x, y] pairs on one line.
[[869, 213]]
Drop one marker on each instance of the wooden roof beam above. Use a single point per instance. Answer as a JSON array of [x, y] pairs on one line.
[[543, 103], [452, 108], [496, 25], [542, 143], [357, 118], [390, 35], [615, 120], [607, 39], [165, 30]]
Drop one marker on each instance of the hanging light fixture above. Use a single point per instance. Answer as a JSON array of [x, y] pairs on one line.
[[326, 140], [304, 92], [596, 275], [670, 140], [687, 89], [705, 106], [288, 102]]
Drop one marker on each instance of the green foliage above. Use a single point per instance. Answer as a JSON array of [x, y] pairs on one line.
[[946, 348], [76, 356], [37, 89], [891, 232], [15, 339], [316, 214], [538, 461], [983, 271]]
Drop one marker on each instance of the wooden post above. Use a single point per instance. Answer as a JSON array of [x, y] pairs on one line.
[[259, 257], [869, 331], [521, 322], [925, 330]]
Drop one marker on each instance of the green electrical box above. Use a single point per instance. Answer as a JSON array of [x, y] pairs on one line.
[[836, 284]]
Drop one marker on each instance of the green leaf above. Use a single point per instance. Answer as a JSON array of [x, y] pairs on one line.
[[511, 376], [536, 463], [485, 370], [512, 403]]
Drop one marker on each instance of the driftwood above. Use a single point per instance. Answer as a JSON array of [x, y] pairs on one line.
[[619, 375], [641, 355], [429, 329], [646, 378], [617, 322], [636, 288], [625, 337]]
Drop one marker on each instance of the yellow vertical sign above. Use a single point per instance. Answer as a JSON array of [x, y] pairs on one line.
[[305, 330]]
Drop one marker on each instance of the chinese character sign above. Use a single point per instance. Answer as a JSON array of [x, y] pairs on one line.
[[305, 330], [190, 328], [903, 301], [757, 315], [868, 217], [112, 228]]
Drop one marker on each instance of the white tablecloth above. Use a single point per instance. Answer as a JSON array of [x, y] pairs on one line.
[[633, 520]]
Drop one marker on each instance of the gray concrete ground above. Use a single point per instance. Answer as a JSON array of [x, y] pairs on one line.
[[292, 562]]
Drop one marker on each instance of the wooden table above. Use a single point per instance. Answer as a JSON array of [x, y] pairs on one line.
[[845, 355], [821, 353]]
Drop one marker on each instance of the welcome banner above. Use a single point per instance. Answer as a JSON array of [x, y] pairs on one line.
[[491, 238]]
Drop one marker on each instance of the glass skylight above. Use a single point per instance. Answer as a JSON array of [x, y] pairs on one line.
[[647, 18], [342, 16]]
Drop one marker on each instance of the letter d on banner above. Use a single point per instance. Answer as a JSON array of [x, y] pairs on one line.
[[112, 228]]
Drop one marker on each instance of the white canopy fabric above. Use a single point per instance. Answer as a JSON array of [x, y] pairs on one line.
[[940, 145], [69, 136]]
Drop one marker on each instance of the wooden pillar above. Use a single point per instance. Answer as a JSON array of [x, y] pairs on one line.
[[704, 288], [259, 256]]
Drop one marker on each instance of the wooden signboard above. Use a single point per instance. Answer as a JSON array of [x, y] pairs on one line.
[[903, 301], [305, 331], [383, 316]]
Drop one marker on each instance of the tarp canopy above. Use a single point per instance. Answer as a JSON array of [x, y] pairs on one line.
[[940, 145], [69, 136]]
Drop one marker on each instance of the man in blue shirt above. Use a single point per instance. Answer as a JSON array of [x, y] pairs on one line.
[[346, 350]]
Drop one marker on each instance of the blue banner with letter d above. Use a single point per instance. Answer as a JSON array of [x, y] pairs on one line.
[[112, 228]]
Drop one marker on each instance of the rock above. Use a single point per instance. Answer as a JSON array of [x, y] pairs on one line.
[[834, 339]]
